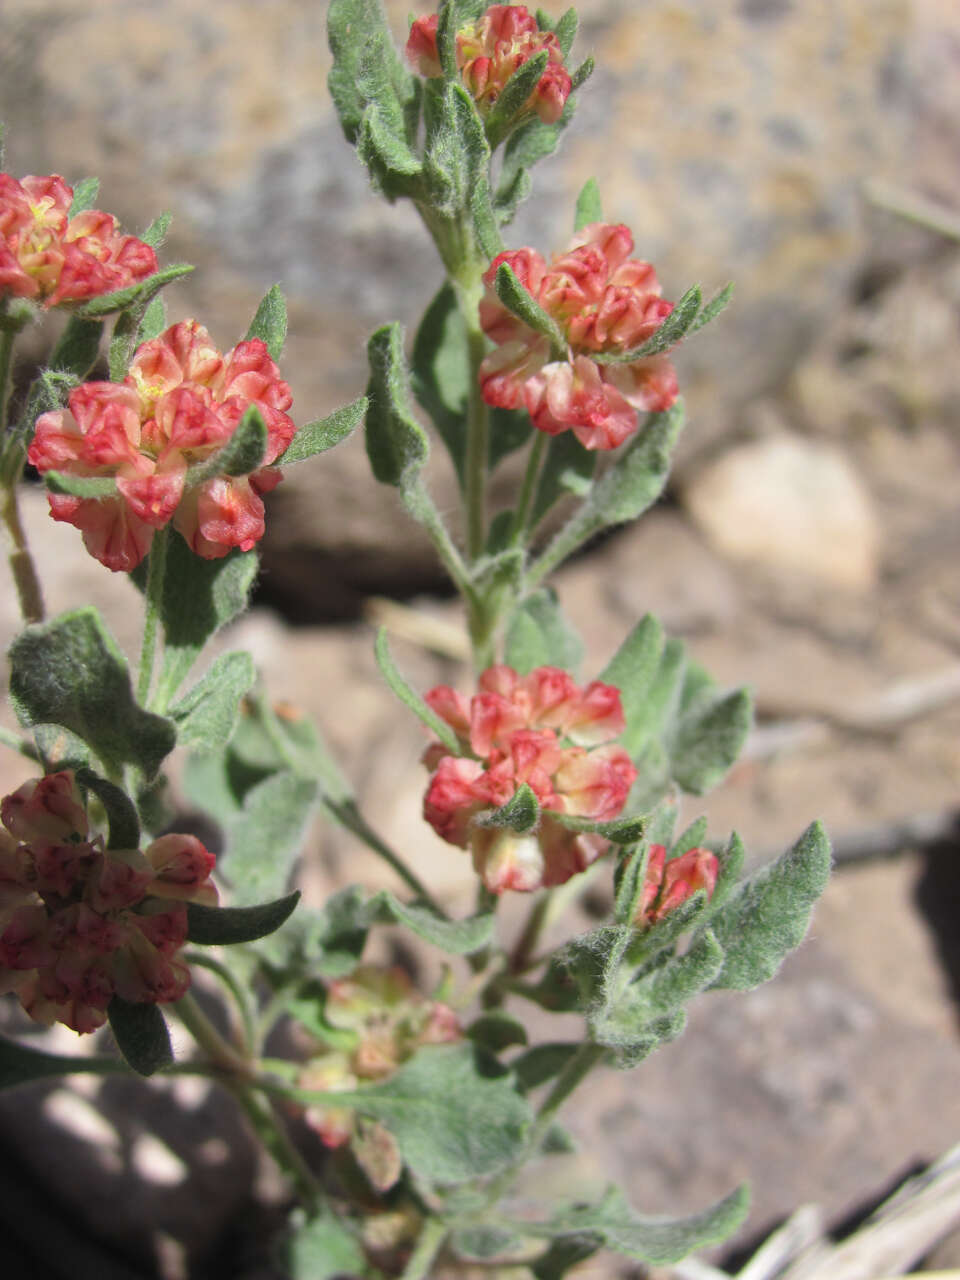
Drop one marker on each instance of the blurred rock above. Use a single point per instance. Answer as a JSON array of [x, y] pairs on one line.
[[792, 506]]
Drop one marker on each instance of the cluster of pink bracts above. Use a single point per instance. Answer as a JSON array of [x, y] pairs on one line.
[[543, 730], [80, 923], [490, 51], [180, 402], [53, 258], [603, 301]]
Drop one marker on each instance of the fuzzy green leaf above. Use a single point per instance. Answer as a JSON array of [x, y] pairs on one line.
[[78, 347], [675, 983], [85, 194], [522, 304], [156, 233], [396, 443], [318, 437], [263, 840], [242, 454], [454, 1111], [366, 68], [542, 1063], [657, 1240], [60, 749], [207, 715], [410, 698], [70, 672], [719, 302], [140, 1031], [526, 146], [199, 597], [677, 324], [323, 1248], [521, 813], [485, 1242], [20, 1065], [768, 914], [568, 470], [458, 937], [225, 926], [270, 322], [539, 635], [134, 294], [709, 738], [497, 1030], [566, 31], [514, 97], [625, 830], [328, 942], [440, 372], [637, 478], [623, 492], [119, 808], [80, 486], [153, 322], [589, 208]]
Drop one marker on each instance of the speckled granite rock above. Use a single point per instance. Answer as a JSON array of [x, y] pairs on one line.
[[733, 137]]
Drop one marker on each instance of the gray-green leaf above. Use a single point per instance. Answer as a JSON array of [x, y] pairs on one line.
[[70, 672], [768, 914]]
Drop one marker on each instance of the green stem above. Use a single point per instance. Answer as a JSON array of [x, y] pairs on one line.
[[272, 1132], [29, 593], [156, 571], [478, 443], [218, 1050], [238, 1074], [576, 1070], [521, 517], [240, 995], [429, 1244], [578, 529]]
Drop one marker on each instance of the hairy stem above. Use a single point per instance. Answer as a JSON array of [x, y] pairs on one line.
[[156, 571], [22, 568], [521, 516], [429, 1244]]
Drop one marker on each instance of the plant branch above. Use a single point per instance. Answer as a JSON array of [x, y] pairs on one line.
[[156, 572]]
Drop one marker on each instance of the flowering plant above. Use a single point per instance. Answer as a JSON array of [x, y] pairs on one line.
[[428, 1103]]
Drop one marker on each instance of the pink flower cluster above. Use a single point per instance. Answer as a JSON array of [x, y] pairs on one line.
[[47, 255], [490, 51], [388, 1020], [603, 301], [80, 923], [180, 402], [543, 730], [668, 883]]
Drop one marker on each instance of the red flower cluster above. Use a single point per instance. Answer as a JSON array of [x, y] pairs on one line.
[[543, 730], [47, 255], [603, 301], [80, 923], [388, 1020], [667, 884], [490, 51], [180, 402]]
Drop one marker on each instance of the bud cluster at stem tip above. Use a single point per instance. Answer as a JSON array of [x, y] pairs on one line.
[[80, 923], [668, 882], [603, 301], [490, 51], [543, 730], [180, 402], [48, 256]]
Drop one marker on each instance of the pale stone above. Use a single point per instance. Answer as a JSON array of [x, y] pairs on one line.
[[792, 506]]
